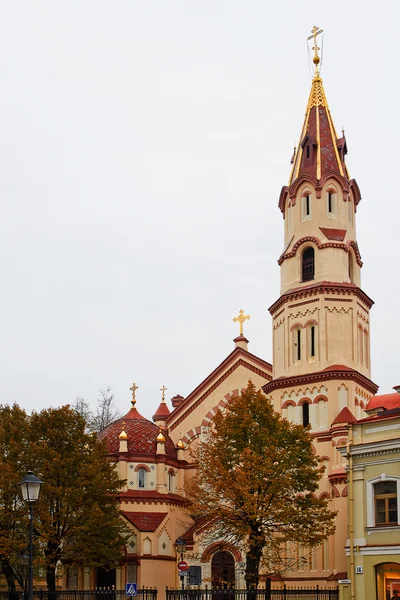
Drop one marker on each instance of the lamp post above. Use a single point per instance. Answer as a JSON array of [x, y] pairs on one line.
[[180, 546], [30, 489]]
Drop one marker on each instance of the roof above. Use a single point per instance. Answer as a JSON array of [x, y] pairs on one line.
[[142, 436], [161, 413], [345, 416], [145, 521], [318, 152], [151, 496], [387, 401]]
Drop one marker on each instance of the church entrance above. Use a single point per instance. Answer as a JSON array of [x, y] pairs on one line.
[[105, 579], [223, 570]]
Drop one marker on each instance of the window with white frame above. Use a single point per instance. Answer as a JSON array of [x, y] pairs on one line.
[[383, 493]]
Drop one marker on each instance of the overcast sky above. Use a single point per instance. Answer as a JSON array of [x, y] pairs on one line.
[[143, 146]]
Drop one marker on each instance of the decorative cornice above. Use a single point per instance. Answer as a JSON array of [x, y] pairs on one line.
[[321, 288], [326, 375]]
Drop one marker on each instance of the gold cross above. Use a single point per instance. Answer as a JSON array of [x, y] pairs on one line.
[[133, 390], [162, 390], [314, 32], [241, 318]]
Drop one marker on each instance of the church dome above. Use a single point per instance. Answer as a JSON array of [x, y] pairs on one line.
[[141, 436]]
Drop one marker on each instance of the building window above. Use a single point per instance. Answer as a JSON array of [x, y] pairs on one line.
[[306, 206], [306, 414], [297, 344], [331, 199], [351, 268], [385, 497], [141, 478], [308, 264], [350, 209], [171, 481], [312, 341]]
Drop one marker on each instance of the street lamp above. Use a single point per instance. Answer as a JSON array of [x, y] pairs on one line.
[[180, 546], [30, 489]]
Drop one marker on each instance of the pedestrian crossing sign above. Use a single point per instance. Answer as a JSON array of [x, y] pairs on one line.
[[130, 589]]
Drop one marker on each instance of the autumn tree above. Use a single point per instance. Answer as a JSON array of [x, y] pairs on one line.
[[14, 447], [255, 482], [77, 520]]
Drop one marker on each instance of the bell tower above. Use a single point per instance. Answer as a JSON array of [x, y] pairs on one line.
[[321, 321]]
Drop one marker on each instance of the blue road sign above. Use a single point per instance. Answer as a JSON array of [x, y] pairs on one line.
[[130, 589]]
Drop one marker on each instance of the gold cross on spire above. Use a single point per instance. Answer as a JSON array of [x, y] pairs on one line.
[[316, 60], [241, 318], [133, 390], [162, 390]]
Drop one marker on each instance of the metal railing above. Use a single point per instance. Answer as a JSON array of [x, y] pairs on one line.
[[284, 593], [98, 594]]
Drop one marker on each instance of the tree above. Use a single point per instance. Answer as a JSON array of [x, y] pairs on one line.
[[105, 413], [77, 520], [255, 481], [13, 516]]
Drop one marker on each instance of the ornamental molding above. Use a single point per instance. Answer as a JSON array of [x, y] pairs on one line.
[[340, 289], [310, 378]]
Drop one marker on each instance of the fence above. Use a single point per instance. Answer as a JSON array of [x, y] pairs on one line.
[[285, 593], [99, 594]]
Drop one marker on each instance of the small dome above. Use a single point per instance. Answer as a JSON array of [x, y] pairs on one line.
[[141, 436], [180, 444], [160, 437], [123, 435]]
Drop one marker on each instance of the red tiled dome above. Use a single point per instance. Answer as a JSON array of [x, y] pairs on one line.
[[142, 435]]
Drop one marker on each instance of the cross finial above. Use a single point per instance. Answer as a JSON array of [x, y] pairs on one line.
[[316, 60], [162, 390], [133, 389], [241, 318]]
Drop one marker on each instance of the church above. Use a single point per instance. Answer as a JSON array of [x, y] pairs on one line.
[[319, 377]]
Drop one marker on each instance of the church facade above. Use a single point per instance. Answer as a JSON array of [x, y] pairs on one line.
[[319, 377]]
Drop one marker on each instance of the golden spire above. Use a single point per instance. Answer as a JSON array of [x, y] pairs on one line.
[[123, 435], [163, 390], [180, 445], [241, 318], [133, 390], [316, 60]]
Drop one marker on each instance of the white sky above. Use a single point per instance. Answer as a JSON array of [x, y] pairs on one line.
[[143, 146]]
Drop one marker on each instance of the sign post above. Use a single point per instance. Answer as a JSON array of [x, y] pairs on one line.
[[130, 589]]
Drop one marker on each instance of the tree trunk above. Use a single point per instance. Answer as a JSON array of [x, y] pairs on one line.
[[51, 581], [8, 573], [253, 559]]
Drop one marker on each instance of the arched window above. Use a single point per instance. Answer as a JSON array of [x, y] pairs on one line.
[[351, 267], [385, 500], [141, 478], [331, 203], [350, 209], [297, 344], [308, 264], [306, 414], [306, 206], [171, 481], [312, 341]]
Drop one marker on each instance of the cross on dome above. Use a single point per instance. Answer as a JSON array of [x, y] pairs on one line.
[[133, 389], [163, 390]]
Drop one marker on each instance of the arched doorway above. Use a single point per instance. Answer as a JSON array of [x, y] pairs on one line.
[[223, 570], [105, 579], [387, 580]]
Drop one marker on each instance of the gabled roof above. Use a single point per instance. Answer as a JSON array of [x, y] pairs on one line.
[[239, 357], [145, 521], [345, 416]]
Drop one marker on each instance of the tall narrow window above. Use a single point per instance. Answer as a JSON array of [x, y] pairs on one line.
[[351, 267], [298, 345], [386, 503], [306, 206], [306, 414], [312, 341], [308, 151], [331, 197], [308, 264], [141, 478], [350, 209]]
